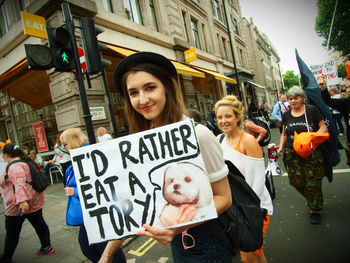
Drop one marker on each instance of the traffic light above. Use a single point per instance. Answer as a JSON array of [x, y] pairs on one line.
[[38, 57], [92, 48], [61, 49]]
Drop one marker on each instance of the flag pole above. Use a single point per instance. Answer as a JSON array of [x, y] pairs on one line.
[[330, 33]]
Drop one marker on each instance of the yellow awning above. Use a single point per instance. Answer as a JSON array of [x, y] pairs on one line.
[[216, 75], [180, 68], [122, 51], [186, 70]]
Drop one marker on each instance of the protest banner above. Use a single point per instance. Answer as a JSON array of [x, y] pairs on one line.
[[329, 69], [156, 177]]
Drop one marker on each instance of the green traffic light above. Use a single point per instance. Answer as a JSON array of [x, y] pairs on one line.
[[65, 57]]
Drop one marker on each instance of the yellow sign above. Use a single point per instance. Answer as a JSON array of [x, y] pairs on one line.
[[34, 25], [190, 55]]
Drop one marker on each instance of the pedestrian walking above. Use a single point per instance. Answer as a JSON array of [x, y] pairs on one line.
[[278, 109], [305, 174], [152, 98], [21, 202], [244, 151], [110, 252]]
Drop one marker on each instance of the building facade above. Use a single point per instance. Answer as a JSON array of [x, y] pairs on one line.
[[168, 27]]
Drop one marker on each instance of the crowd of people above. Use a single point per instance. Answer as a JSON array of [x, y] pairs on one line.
[[152, 97]]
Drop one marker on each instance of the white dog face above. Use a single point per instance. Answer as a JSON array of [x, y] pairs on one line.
[[186, 183]]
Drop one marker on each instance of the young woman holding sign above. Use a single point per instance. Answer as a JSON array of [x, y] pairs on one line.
[[148, 83], [105, 252]]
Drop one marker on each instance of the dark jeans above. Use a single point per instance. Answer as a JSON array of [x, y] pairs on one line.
[[13, 226], [64, 168], [337, 122], [93, 252]]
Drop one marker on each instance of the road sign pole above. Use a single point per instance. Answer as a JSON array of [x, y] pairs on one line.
[[79, 75]]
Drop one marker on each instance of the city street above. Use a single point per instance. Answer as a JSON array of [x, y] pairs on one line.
[[290, 237]]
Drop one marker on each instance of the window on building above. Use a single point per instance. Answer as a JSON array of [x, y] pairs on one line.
[[217, 10], [195, 33], [4, 19], [107, 4], [132, 8], [241, 57], [154, 17], [185, 24], [224, 48], [235, 26], [204, 37]]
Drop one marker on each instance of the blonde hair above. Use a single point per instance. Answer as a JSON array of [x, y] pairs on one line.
[[74, 138], [235, 105]]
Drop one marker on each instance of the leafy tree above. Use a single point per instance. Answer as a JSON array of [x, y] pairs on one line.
[[340, 34], [290, 80], [341, 71]]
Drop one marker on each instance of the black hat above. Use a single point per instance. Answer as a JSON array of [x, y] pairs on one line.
[[141, 58]]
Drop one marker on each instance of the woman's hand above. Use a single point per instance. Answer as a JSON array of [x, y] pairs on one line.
[[162, 235], [69, 191], [279, 152], [23, 206]]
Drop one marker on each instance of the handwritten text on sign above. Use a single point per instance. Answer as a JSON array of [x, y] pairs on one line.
[[329, 69], [156, 177]]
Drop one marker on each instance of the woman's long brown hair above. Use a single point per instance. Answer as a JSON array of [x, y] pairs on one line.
[[174, 106]]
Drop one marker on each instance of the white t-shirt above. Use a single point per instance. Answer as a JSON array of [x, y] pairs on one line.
[[211, 152], [253, 170], [104, 137]]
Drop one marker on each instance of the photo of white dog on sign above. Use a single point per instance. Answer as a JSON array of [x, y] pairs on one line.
[[187, 192]]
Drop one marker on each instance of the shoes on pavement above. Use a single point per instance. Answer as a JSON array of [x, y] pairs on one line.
[[45, 251], [5, 260], [315, 218]]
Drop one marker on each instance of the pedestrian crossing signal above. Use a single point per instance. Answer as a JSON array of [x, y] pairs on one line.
[[61, 49]]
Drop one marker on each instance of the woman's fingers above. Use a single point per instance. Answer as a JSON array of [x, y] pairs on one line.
[[162, 235]]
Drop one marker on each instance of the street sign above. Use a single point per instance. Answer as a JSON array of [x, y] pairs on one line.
[[40, 137], [97, 113], [34, 25], [82, 59], [190, 55]]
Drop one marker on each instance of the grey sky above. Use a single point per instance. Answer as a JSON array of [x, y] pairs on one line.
[[289, 24]]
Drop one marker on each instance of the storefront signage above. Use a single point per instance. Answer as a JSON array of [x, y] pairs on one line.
[[34, 25], [40, 137]]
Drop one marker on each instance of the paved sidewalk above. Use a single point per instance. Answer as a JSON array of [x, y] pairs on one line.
[[63, 238]]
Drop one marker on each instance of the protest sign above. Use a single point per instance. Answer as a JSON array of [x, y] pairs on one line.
[[329, 69], [156, 177]]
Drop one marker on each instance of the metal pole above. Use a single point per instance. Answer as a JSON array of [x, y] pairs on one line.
[[105, 84], [78, 73], [231, 45]]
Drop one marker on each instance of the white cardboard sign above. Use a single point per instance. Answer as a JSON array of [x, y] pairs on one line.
[[329, 69], [156, 177]]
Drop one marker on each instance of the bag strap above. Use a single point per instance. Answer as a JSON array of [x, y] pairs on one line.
[[222, 136], [308, 130], [9, 164]]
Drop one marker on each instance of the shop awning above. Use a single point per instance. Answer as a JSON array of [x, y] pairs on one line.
[[28, 86], [215, 74], [180, 68], [256, 84]]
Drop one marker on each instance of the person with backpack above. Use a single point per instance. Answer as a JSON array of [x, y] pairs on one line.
[[148, 83], [111, 252], [244, 152], [21, 202]]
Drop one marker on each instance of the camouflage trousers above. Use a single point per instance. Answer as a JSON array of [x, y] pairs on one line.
[[306, 174]]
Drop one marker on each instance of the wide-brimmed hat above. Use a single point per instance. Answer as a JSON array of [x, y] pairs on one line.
[[141, 58]]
